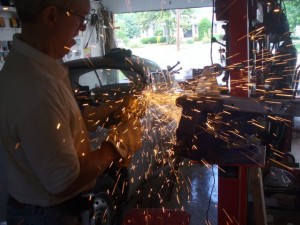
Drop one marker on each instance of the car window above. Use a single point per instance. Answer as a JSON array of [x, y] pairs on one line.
[[103, 77]]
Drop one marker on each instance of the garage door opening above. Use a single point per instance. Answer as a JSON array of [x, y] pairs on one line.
[[171, 36]]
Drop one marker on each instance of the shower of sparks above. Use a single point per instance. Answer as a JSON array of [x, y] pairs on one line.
[[227, 215], [68, 48], [157, 117], [282, 165]]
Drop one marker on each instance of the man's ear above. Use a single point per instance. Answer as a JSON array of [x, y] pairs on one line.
[[50, 16]]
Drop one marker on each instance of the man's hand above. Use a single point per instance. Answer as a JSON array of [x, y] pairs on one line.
[[126, 136], [99, 115], [122, 109]]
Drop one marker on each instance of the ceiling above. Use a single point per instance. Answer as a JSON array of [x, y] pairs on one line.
[[123, 6]]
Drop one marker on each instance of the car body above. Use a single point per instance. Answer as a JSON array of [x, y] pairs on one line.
[[97, 81]]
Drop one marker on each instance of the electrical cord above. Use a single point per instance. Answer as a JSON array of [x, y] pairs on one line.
[[210, 196]]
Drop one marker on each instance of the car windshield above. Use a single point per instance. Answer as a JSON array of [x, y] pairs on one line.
[[101, 77], [105, 79]]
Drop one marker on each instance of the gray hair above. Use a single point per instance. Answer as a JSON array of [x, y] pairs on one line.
[[28, 10]]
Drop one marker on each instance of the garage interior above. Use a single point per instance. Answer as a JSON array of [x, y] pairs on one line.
[[218, 186]]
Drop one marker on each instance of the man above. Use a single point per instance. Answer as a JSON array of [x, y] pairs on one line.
[[49, 160]]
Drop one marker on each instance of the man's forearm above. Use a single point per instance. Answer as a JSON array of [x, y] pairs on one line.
[[92, 165]]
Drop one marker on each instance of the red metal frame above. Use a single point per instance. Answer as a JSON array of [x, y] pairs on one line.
[[238, 19], [232, 198], [232, 192]]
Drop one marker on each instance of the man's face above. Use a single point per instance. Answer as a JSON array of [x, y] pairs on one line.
[[71, 22]]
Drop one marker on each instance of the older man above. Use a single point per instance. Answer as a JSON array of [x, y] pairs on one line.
[[48, 155]]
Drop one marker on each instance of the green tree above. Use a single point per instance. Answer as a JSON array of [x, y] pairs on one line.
[[168, 18], [147, 19], [158, 20], [204, 28], [293, 13], [165, 19], [185, 19], [128, 25], [131, 24], [121, 31]]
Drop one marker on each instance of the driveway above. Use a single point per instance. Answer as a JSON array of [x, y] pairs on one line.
[[196, 55]]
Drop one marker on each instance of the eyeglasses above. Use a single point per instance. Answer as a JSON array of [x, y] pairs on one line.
[[84, 19]]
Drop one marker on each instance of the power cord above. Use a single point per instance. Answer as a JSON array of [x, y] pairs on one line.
[[210, 196]]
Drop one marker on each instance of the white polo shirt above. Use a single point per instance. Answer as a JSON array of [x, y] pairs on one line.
[[41, 126]]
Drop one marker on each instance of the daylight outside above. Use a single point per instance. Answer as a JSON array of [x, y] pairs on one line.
[[183, 35]]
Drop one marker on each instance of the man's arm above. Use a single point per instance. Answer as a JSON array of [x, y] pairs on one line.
[[91, 166]]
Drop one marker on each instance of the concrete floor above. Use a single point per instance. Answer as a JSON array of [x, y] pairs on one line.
[[196, 192]]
